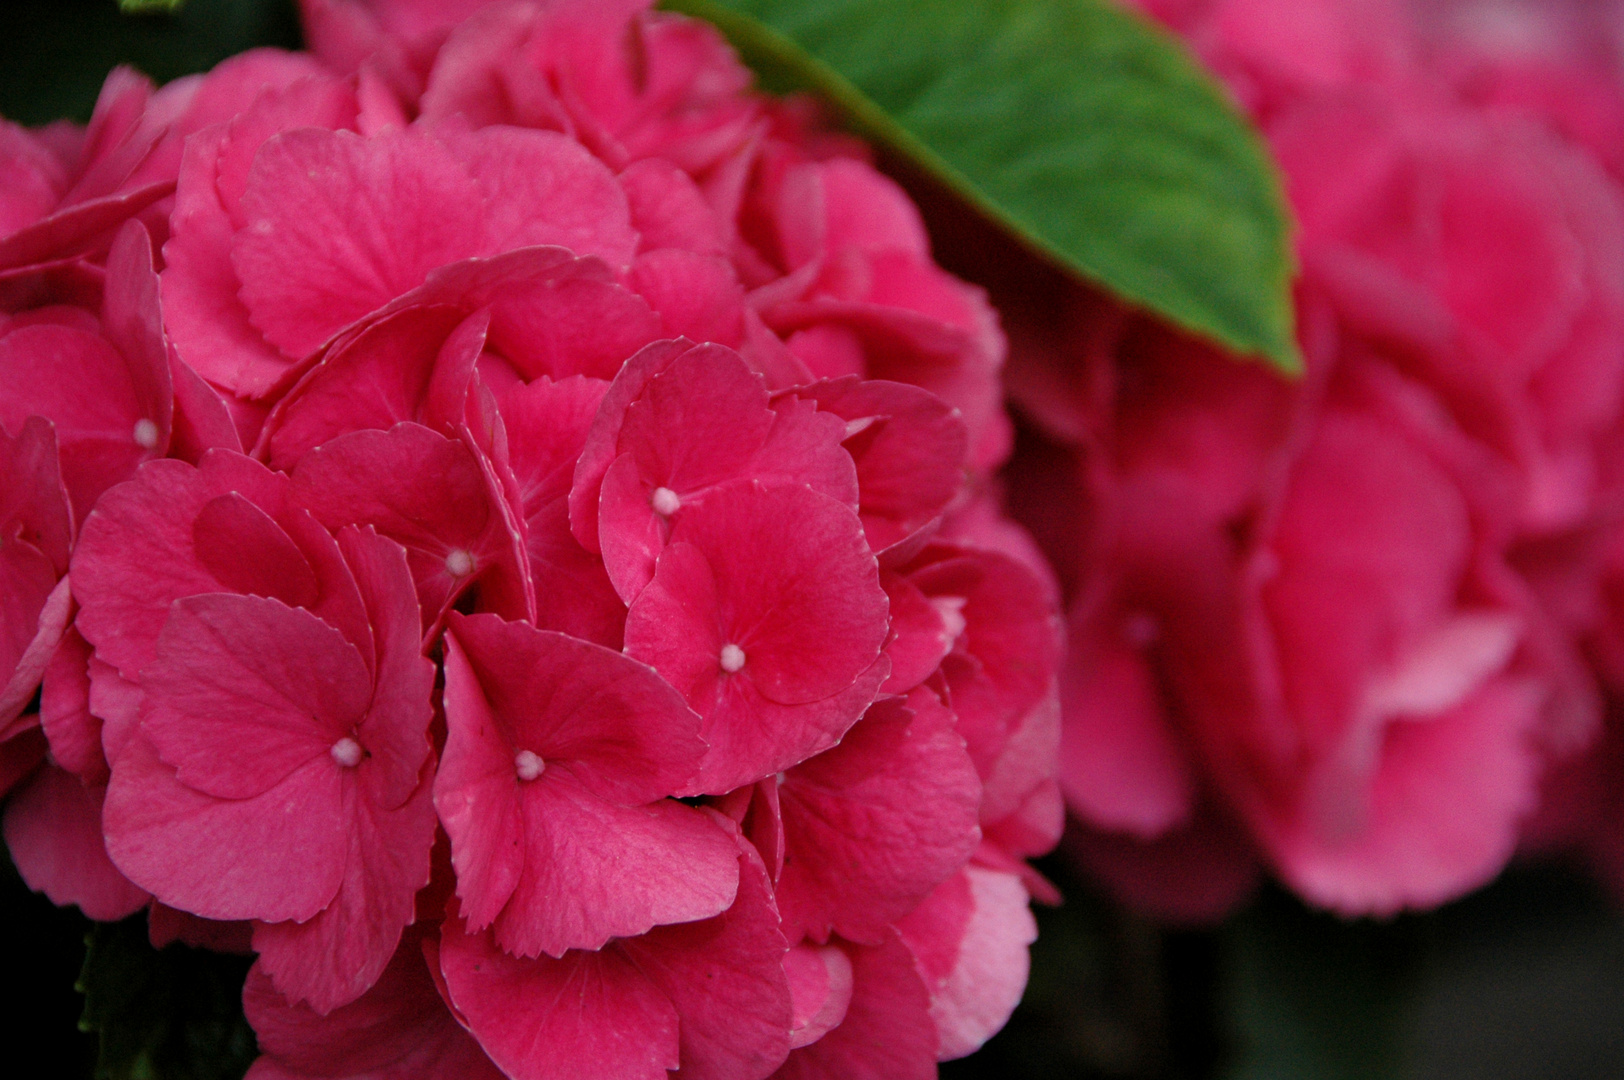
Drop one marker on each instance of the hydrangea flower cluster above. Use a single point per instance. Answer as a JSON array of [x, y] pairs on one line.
[[1352, 630], [497, 523]]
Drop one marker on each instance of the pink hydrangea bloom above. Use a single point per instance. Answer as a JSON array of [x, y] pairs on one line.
[[499, 538]]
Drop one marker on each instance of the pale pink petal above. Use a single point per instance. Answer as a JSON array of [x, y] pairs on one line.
[[970, 939]]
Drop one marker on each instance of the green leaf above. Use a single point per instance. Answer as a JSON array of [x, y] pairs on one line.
[[54, 54], [149, 7], [174, 1014], [1314, 997], [1083, 129]]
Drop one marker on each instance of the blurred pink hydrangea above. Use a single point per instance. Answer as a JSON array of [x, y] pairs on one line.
[[1341, 629]]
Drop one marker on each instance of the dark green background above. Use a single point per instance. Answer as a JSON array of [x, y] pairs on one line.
[[1523, 980]]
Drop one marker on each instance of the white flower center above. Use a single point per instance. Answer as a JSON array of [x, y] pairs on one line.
[[347, 752], [146, 434], [528, 765], [666, 502], [459, 563], [732, 658]]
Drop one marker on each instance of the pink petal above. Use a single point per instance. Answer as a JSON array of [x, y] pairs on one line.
[[781, 574], [338, 225], [547, 424], [820, 981], [54, 834], [376, 379], [33, 501], [887, 1033], [603, 438], [970, 938], [235, 673], [135, 554], [208, 322], [48, 370], [248, 552], [541, 187], [594, 870], [871, 826], [608, 720], [74, 732], [919, 639], [1122, 766], [669, 211], [909, 446], [395, 730], [50, 622], [586, 1016], [1441, 810], [726, 978], [697, 296], [280, 855], [202, 420], [77, 230], [397, 1030], [333, 958], [421, 490]]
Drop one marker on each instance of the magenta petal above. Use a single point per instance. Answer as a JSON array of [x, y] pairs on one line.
[[547, 424], [784, 577], [243, 691], [594, 870], [77, 230], [64, 712], [134, 554], [887, 1033], [476, 794], [54, 834], [52, 620], [277, 856], [397, 1030], [618, 728], [586, 1016], [205, 318], [338, 226], [565, 857], [669, 210], [910, 448], [247, 552], [33, 501], [541, 187], [395, 731], [726, 978], [820, 982], [201, 421], [335, 957], [375, 379], [602, 444], [920, 637], [874, 824], [133, 322], [48, 368], [418, 488]]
